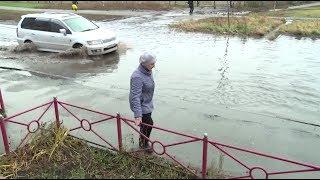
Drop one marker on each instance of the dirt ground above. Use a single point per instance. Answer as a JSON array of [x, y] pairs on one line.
[[13, 17], [108, 5]]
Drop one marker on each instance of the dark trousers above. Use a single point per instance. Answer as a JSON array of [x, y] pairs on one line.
[[146, 130], [191, 8]]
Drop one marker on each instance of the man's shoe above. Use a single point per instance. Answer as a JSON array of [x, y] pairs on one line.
[[147, 148], [141, 143]]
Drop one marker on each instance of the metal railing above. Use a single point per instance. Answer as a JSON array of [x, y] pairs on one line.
[[2, 110], [162, 149]]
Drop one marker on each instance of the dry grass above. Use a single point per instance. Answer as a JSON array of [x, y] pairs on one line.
[[52, 153], [302, 28], [244, 26]]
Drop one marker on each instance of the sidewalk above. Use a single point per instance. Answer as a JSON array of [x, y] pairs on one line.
[[305, 5]]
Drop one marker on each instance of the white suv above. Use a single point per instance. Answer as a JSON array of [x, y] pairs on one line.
[[57, 32]]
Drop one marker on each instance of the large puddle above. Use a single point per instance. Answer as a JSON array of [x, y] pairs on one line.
[[243, 92]]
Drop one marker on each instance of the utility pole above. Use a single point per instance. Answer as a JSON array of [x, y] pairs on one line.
[[229, 15]]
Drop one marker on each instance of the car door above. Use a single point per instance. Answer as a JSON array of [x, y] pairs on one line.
[[57, 40], [25, 30], [40, 33]]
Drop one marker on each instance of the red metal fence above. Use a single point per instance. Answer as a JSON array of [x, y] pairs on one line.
[[162, 150], [1, 103]]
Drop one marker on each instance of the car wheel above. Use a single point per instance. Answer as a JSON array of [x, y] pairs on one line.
[[77, 46], [28, 46], [28, 42]]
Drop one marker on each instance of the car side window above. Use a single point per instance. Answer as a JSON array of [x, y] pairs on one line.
[[28, 23], [41, 25], [56, 26]]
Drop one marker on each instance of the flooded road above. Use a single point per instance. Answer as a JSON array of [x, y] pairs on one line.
[[239, 91]]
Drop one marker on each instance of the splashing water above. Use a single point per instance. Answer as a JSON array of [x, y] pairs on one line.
[[74, 53], [4, 48], [27, 47], [82, 52]]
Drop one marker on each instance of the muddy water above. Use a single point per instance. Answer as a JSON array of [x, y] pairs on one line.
[[239, 91]]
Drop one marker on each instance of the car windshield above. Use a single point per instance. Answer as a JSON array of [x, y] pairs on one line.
[[80, 24]]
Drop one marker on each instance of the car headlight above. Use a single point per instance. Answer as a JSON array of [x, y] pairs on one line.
[[95, 42]]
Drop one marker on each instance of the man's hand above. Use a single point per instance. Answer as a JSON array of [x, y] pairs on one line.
[[138, 121]]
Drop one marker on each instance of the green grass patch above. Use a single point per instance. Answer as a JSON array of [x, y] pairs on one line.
[[52, 153], [303, 12], [22, 4], [252, 25], [302, 28]]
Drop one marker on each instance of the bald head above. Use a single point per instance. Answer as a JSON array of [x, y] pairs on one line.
[[147, 59]]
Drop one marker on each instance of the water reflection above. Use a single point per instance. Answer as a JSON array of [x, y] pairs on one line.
[[224, 80], [244, 40], [261, 74], [105, 63], [81, 66]]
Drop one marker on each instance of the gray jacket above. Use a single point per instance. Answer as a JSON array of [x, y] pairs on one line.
[[141, 92]]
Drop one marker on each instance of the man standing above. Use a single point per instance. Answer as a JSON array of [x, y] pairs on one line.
[[190, 6], [74, 5], [141, 95]]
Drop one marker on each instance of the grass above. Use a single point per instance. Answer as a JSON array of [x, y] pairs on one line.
[[23, 4], [305, 28], [52, 153], [303, 12], [3, 113], [252, 25]]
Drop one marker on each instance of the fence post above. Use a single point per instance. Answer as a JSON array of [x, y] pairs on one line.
[[119, 131], [1, 103], [4, 135], [56, 111], [204, 156]]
